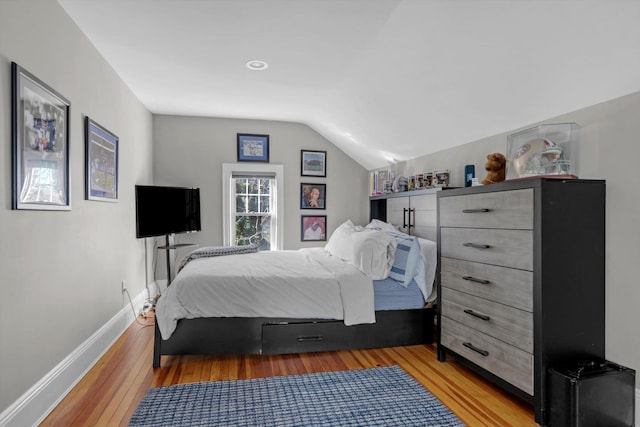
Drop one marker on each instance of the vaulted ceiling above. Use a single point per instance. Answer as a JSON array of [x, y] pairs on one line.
[[384, 80]]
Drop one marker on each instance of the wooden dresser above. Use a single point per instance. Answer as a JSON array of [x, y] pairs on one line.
[[521, 279]]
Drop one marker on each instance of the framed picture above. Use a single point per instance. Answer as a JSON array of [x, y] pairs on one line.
[[101, 163], [313, 196], [313, 163], [40, 144], [253, 148], [314, 228]]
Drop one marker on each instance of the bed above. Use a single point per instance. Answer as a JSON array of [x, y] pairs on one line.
[[366, 288]]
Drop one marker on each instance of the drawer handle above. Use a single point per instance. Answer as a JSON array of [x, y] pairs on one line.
[[474, 279], [310, 338], [476, 210], [476, 245], [478, 315], [470, 346]]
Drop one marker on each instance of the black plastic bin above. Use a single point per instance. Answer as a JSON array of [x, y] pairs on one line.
[[591, 393]]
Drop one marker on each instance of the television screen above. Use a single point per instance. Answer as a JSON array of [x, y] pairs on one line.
[[162, 211]]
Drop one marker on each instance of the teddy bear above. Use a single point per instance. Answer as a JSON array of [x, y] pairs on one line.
[[495, 167]]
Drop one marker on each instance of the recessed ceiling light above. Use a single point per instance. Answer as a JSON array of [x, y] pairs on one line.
[[257, 65]]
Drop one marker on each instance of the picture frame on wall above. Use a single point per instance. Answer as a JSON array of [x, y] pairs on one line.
[[40, 144], [313, 228], [313, 196], [253, 148], [313, 163], [101, 162]]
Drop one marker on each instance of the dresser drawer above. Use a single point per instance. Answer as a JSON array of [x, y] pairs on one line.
[[507, 286], [507, 362], [501, 209], [507, 248], [507, 324]]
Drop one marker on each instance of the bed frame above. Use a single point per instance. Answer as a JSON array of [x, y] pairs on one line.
[[235, 335]]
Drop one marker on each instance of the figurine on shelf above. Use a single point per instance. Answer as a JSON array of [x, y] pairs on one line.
[[495, 167]]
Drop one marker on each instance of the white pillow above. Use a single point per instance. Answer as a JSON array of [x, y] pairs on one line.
[[376, 224], [370, 251]]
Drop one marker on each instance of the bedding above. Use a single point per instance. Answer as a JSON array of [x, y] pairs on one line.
[[307, 283], [351, 277], [370, 251]]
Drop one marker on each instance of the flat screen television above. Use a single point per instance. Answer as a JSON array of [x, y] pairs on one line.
[[161, 211]]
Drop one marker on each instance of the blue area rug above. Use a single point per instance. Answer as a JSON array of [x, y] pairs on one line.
[[369, 397]]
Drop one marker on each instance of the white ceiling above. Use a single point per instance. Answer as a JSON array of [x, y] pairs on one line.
[[384, 80]]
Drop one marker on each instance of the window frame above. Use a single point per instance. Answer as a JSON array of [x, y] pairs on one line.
[[228, 191]]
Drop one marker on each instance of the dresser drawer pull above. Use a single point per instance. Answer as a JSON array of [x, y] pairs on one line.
[[310, 338], [478, 315], [476, 210], [474, 279], [475, 245], [470, 346]]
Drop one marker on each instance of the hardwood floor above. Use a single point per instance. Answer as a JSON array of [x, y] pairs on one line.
[[111, 390]]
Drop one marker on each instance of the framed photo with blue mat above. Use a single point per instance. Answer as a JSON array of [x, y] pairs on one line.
[[101, 163], [253, 148]]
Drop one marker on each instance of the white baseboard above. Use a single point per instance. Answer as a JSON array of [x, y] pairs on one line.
[[34, 405]]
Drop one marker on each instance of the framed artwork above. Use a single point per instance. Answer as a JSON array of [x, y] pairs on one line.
[[314, 228], [101, 163], [313, 163], [313, 196], [40, 144], [253, 148]]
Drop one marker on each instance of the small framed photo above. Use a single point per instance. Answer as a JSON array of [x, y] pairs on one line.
[[253, 148], [101, 163], [313, 196], [314, 228], [313, 163], [40, 144]]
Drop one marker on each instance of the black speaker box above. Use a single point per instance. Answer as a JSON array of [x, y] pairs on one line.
[[591, 393]]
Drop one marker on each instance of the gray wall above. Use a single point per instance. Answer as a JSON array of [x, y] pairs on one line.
[[190, 151], [609, 149], [61, 271]]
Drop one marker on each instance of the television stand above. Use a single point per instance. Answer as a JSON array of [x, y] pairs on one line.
[[170, 247]]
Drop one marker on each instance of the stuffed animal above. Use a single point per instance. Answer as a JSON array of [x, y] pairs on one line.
[[495, 167]]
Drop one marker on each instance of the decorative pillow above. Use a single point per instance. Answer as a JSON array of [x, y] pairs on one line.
[[405, 259]]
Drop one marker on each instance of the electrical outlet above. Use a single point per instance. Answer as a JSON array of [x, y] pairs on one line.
[[124, 287]]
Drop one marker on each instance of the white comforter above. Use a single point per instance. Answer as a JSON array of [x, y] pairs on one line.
[[307, 283]]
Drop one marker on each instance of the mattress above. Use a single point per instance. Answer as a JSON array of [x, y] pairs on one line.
[[391, 295]]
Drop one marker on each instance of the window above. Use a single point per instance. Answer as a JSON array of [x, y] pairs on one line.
[[252, 206]]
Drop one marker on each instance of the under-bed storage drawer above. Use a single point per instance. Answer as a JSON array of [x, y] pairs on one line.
[[283, 338]]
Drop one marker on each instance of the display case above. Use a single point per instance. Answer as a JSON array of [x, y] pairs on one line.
[[544, 150]]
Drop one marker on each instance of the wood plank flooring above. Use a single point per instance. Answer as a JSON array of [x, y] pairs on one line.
[[111, 390]]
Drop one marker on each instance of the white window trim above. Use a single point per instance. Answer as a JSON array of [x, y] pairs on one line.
[[228, 170]]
